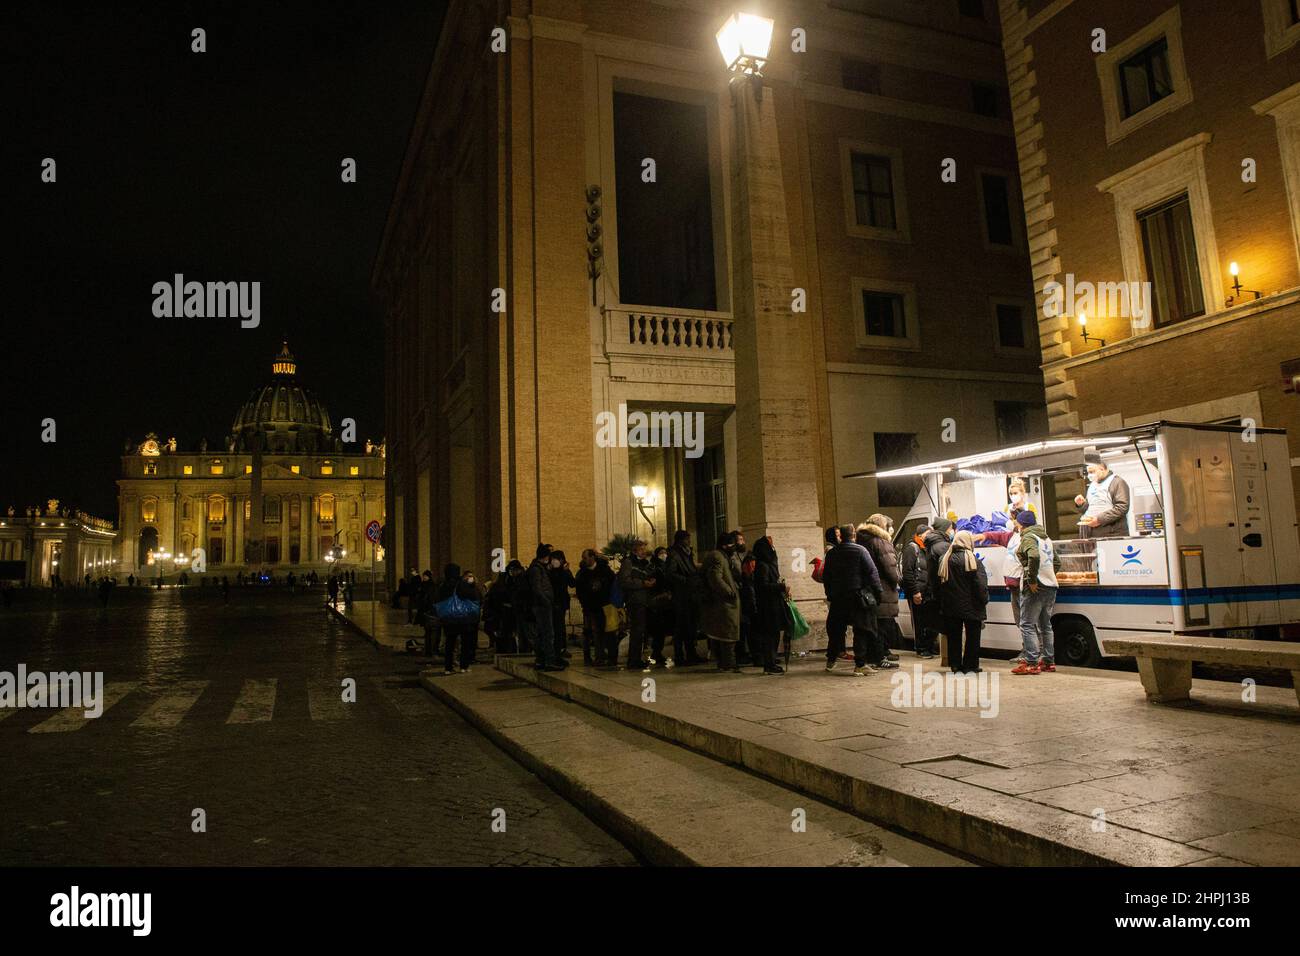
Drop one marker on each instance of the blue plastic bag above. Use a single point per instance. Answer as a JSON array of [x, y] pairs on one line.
[[616, 594], [457, 609]]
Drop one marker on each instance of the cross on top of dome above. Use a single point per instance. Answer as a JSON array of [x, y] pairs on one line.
[[284, 363]]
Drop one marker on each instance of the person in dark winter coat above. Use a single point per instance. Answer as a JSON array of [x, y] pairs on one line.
[[542, 602], [852, 586], [463, 630], [521, 608], [637, 581], [933, 545], [593, 584], [659, 614], [424, 614], [561, 581], [876, 534], [770, 593], [682, 575], [745, 652], [963, 599], [498, 612]]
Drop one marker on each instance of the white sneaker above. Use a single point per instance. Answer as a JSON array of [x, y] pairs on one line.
[[864, 671]]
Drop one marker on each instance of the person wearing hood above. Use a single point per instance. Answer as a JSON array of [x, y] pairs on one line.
[[561, 580], [1105, 504], [915, 577], [541, 599], [465, 630], [636, 579], [1038, 558], [964, 600], [770, 593], [720, 609], [852, 586], [593, 584], [876, 534]]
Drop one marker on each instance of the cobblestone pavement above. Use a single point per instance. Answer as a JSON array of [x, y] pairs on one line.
[[237, 709]]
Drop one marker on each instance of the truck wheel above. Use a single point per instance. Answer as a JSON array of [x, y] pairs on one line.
[[1076, 643]]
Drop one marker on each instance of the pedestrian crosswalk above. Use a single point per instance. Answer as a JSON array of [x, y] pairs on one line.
[[255, 701]]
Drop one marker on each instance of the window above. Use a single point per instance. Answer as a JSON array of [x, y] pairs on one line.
[[149, 509], [216, 509], [1169, 252], [248, 469], [248, 509], [1281, 26], [1009, 318], [295, 512], [873, 191], [896, 450], [216, 468], [1144, 77], [273, 550], [271, 509], [354, 470], [185, 508], [151, 467], [187, 469], [1013, 421], [295, 469], [886, 314], [875, 200], [326, 507], [356, 508], [984, 99], [859, 76], [971, 8], [327, 469], [999, 222]]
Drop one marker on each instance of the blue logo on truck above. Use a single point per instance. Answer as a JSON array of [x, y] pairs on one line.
[[1130, 556]]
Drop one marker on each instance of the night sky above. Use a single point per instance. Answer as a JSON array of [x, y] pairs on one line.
[[223, 166]]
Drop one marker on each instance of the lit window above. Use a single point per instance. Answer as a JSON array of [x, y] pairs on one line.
[[326, 507], [188, 469], [216, 508], [354, 470], [248, 469], [327, 469], [1169, 250], [148, 509], [151, 467], [216, 468], [295, 469], [248, 509]]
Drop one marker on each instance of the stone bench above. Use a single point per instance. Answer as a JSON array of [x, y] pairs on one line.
[[1165, 660]]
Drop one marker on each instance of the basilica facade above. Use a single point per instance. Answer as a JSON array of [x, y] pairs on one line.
[[283, 492]]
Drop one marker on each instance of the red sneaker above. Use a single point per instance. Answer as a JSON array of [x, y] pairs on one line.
[[1024, 668], [1047, 666]]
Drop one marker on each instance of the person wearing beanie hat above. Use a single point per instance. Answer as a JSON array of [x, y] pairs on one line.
[[943, 526], [915, 576], [1038, 557], [1105, 503], [935, 543]]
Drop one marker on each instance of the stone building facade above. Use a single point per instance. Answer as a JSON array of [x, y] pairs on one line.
[[789, 265], [44, 546], [279, 494], [1165, 157]]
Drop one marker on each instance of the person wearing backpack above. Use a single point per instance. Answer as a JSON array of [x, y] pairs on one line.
[[594, 583], [683, 577]]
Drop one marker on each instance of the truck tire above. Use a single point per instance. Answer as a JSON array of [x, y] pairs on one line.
[[1076, 642]]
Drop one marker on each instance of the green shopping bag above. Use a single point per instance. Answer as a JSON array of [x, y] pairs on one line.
[[795, 625]]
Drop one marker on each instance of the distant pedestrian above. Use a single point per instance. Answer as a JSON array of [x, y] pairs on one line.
[[1038, 590], [720, 610], [636, 579], [594, 584], [463, 629], [876, 534], [333, 588], [683, 577], [963, 599], [852, 586], [770, 593], [542, 603], [561, 581], [225, 589]]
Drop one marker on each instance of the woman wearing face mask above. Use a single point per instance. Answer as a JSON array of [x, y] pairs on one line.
[[561, 580], [466, 587]]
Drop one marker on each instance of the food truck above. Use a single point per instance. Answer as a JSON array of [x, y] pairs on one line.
[[1211, 544]]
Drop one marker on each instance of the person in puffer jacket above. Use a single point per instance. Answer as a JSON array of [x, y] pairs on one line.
[[877, 536], [964, 599]]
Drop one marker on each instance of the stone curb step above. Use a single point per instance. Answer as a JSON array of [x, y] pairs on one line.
[[668, 804], [974, 821]]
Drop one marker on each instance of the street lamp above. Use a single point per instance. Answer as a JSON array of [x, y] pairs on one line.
[[745, 40], [644, 500]]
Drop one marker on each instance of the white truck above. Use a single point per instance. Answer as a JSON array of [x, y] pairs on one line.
[[1212, 544]]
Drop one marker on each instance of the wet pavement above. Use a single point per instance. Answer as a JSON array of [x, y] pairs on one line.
[[237, 710]]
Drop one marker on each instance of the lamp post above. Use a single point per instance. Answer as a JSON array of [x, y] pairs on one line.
[[775, 452]]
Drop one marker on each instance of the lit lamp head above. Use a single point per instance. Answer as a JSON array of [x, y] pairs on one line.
[[1083, 327], [1235, 271], [639, 492], [745, 40]]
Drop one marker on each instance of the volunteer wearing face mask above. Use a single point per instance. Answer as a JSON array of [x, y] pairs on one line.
[[1018, 496], [1105, 504]]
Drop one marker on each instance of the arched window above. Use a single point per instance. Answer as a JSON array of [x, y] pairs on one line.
[[326, 507], [356, 508], [216, 508], [271, 509], [149, 509], [185, 508]]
